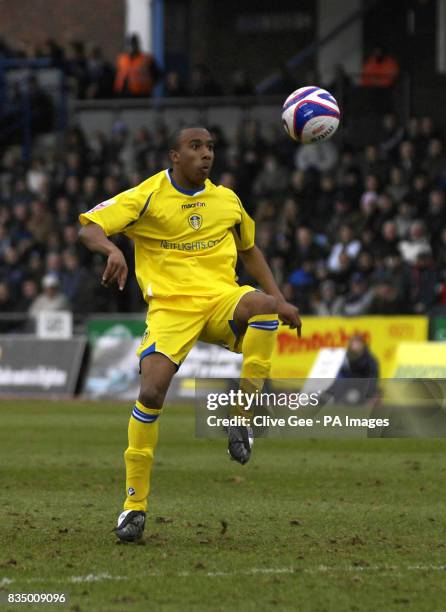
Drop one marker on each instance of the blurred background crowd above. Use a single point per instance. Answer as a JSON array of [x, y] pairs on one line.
[[134, 73], [346, 231]]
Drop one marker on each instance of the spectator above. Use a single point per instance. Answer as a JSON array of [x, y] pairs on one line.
[[173, 84], [391, 135], [341, 84], [7, 303], [227, 179], [346, 244], [54, 264], [407, 160], [300, 189], [53, 51], [202, 82], [380, 69], [41, 222], [250, 138], [434, 164], [385, 209], [397, 188], [359, 363], [386, 299], [416, 243], [273, 179], [307, 251], [34, 268], [440, 246], [371, 184], [73, 278], [324, 201], [29, 292], [285, 82], [427, 132], [404, 219], [368, 213], [343, 272], [41, 106], [365, 265], [388, 243], [12, 269], [423, 282], [341, 215], [76, 67], [418, 195], [373, 164], [242, 84], [91, 193], [51, 299], [321, 157], [393, 269], [328, 303], [436, 215], [136, 72], [358, 298], [36, 176], [100, 75]]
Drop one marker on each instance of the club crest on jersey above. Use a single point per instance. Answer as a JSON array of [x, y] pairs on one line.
[[195, 221]]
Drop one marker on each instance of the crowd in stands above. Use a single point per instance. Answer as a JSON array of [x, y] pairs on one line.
[[346, 232], [135, 73]]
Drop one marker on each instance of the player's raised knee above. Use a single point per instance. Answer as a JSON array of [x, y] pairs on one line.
[[152, 396], [262, 304], [270, 304]]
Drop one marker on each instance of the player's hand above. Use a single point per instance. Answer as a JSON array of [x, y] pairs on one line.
[[115, 270], [289, 315]]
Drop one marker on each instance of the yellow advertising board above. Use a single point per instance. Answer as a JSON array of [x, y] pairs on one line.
[[420, 360], [293, 357]]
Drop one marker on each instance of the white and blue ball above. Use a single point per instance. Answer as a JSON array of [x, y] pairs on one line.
[[310, 114]]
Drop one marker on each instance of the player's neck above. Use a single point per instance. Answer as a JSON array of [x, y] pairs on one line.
[[184, 182]]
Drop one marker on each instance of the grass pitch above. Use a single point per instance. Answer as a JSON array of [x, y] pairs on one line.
[[307, 525]]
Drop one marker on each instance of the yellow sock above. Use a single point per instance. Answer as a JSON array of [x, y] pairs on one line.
[[143, 437], [257, 348]]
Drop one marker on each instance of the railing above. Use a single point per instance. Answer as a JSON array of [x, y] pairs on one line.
[[361, 110]]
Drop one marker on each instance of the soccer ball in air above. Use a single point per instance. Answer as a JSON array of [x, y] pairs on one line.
[[310, 114]]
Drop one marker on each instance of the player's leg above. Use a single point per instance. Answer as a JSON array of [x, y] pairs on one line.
[[256, 320], [156, 374], [173, 327], [244, 320]]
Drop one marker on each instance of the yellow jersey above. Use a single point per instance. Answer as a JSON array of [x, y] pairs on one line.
[[186, 242]]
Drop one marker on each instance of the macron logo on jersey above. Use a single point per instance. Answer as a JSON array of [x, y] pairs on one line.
[[192, 205]]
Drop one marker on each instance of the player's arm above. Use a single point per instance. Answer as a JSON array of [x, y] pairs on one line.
[[258, 268], [95, 239], [114, 216]]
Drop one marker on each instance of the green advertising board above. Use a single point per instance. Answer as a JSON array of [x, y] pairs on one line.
[[438, 329], [118, 328]]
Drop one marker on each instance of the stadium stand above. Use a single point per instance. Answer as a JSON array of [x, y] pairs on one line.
[[370, 221]]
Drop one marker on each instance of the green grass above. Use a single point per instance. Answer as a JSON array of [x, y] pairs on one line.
[[309, 525]]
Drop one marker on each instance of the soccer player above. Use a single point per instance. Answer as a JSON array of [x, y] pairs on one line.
[[187, 234]]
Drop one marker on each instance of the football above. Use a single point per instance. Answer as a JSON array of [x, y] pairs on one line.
[[310, 114]]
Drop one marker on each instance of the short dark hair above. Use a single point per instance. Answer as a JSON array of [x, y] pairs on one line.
[[174, 138]]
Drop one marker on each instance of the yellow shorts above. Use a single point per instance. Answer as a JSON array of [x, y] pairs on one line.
[[175, 324]]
